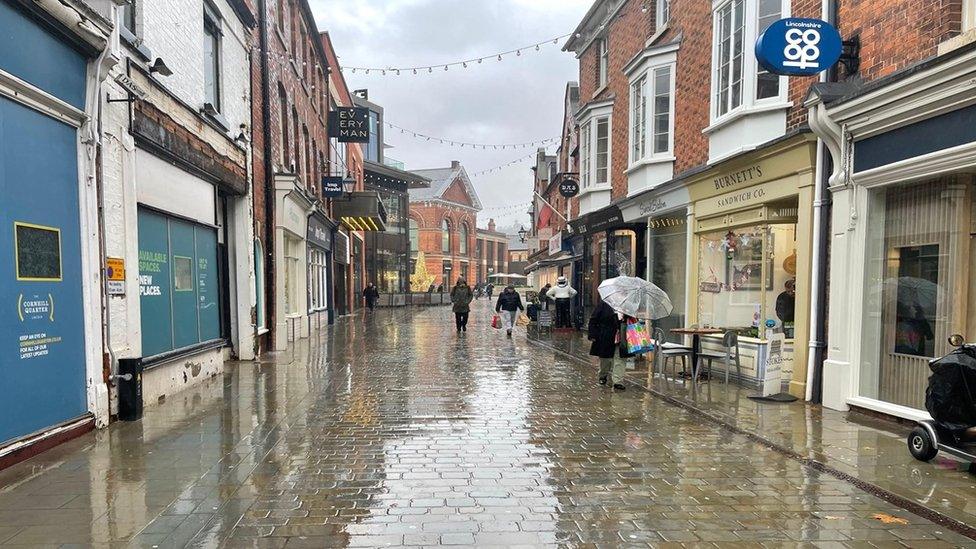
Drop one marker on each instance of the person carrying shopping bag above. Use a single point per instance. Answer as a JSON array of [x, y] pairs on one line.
[[604, 331], [461, 297], [510, 302]]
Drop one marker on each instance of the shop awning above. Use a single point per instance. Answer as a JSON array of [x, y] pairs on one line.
[[360, 211], [600, 220]]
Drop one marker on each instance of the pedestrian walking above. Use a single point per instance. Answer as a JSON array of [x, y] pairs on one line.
[[461, 297], [510, 302], [371, 295], [562, 292], [489, 289], [604, 332]]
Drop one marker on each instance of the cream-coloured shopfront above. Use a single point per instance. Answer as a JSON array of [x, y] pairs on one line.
[[750, 244]]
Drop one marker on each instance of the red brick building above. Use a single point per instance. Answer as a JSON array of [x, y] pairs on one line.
[[291, 78], [443, 223]]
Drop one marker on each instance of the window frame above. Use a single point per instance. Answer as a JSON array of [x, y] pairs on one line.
[[968, 22], [127, 16], [213, 35], [750, 68], [638, 110], [603, 63], [463, 235], [662, 13], [596, 151], [260, 317], [285, 152], [446, 244], [652, 120]]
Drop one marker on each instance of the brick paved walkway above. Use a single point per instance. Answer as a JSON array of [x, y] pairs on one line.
[[394, 431]]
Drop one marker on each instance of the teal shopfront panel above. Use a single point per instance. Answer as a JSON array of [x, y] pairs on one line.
[[207, 283], [179, 285], [155, 288], [42, 334]]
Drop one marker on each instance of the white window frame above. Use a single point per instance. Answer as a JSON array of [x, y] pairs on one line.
[[603, 67], [213, 33], [318, 293], [588, 121], [662, 13], [651, 131], [292, 255], [596, 150], [968, 15], [638, 118], [750, 68], [646, 67]]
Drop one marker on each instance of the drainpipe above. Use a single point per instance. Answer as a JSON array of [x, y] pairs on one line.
[[269, 274], [821, 222]]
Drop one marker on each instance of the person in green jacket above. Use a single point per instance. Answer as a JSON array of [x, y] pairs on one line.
[[461, 297]]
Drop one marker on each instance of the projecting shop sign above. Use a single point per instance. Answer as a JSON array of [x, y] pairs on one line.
[[799, 47], [349, 124]]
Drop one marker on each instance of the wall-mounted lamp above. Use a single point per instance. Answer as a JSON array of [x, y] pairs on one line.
[[159, 66]]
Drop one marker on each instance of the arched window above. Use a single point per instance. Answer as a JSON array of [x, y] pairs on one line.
[[446, 236], [414, 241], [463, 245]]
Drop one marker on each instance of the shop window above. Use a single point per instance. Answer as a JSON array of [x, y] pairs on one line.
[[747, 275], [259, 284], [211, 56], [179, 288], [668, 254], [292, 259], [317, 279], [913, 285], [38, 252]]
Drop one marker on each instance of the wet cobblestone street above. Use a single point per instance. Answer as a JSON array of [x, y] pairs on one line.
[[394, 431]]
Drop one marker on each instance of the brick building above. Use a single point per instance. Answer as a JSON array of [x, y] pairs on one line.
[[443, 222], [898, 130], [294, 228]]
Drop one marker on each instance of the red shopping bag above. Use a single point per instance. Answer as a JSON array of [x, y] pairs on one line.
[[496, 322]]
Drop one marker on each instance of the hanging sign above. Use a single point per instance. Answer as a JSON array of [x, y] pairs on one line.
[[798, 47], [569, 187], [332, 186], [349, 124]]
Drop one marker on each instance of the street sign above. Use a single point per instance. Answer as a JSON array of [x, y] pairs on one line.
[[115, 275], [349, 124], [569, 187], [799, 47], [332, 186]]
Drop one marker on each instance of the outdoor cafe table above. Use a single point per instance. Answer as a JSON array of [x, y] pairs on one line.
[[695, 334]]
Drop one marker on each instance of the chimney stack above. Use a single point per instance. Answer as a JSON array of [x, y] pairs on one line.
[[455, 164], [491, 225]]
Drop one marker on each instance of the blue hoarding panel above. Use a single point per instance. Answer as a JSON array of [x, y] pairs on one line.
[[154, 283], [42, 344], [207, 283], [36, 56], [185, 323]]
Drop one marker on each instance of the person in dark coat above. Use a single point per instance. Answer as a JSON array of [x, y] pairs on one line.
[[511, 302], [371, 295], [603, 331], [461, 297], [544, 298], [489, 289]]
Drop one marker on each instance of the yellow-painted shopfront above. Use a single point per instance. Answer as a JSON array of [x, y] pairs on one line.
[[751, 237]]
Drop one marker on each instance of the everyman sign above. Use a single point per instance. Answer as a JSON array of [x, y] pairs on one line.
[[349, 124]]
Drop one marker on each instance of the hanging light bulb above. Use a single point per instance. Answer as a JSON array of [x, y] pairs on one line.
[[367, 71], [415, 71], [445, 68], [464, 64], [384, 73], [499, 57], [354, 71], [430, 69], [480, 60]]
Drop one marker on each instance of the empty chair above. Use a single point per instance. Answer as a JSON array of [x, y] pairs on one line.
[[667, 351], [730, 342]]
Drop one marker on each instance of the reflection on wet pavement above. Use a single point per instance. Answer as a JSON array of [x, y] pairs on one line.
[[394, 431]]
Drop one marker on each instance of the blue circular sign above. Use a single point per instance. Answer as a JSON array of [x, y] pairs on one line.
[[798, 47]]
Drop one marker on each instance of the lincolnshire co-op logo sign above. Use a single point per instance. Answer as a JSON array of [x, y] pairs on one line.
[[798, 47]]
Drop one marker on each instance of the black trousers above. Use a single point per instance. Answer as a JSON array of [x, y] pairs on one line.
[[562, 313], [461, 320]]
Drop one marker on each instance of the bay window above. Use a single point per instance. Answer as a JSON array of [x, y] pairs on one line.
[[602, 159], [595, 148], [662, 110], [585, 156], [729, 37], [655, 84], [638, 118]]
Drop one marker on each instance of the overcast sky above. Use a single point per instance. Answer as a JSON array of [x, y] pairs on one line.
[[516, 100]]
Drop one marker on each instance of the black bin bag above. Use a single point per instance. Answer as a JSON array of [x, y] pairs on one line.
[[949, 397]]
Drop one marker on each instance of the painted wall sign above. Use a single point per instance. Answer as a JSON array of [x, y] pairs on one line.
[[349, 124], [332, 186], [799, 47], [747, 175], [569, 187]]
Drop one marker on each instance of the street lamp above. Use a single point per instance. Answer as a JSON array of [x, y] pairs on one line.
[[522, 232]]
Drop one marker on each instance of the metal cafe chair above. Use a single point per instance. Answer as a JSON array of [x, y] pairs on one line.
[[668, 351], [730, 342]]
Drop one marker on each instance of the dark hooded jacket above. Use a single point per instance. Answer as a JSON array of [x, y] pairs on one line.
[[509, 301], [602, 331], [461, 297]]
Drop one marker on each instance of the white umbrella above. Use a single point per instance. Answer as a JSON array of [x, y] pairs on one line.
[[635, 297]]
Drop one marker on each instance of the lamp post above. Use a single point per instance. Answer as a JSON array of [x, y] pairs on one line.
[[522, 233]]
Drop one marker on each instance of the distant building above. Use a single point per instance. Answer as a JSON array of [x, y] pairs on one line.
[[491, 252], [518, 254], [442, 221]]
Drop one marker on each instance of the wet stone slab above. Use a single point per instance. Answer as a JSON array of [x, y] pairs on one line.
[[393, 431]]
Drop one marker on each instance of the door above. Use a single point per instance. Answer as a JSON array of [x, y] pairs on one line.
[[42, 355]]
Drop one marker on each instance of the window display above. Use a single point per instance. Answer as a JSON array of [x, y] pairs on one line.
[[917, 277]]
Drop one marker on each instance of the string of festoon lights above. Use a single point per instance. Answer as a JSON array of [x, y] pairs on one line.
[[463, 144], [507, 208], [502, 166], [464, 63]]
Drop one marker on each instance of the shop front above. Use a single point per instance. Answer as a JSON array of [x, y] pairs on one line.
[[750, 247], [665, 213], [902, 233], [320, 297], [293, 206], [342, 285]]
